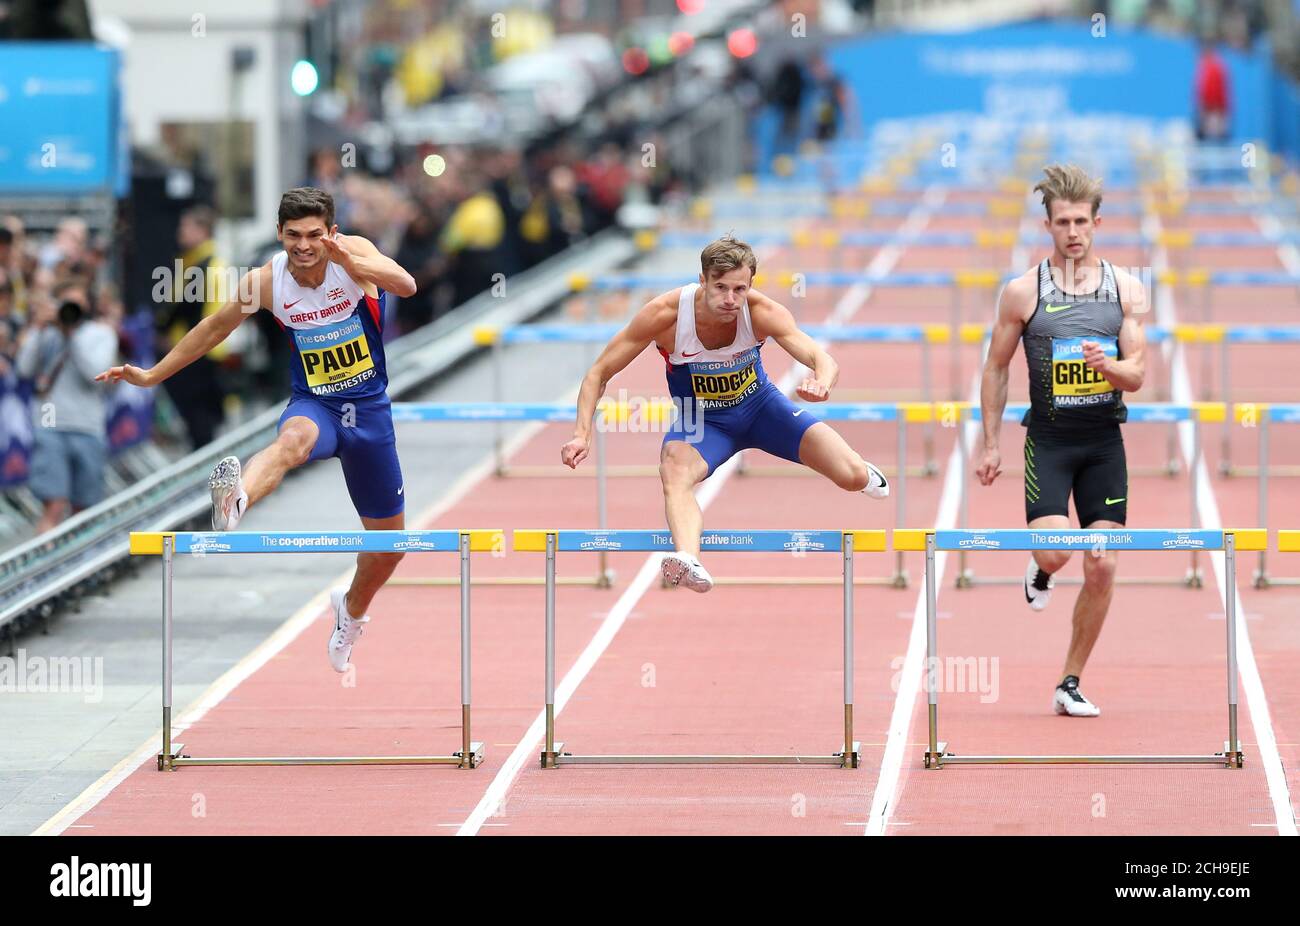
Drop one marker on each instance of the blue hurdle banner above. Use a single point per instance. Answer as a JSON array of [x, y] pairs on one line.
[[200, 544], [739, 541], [1229, 540], [794, 542], [1128, 538]]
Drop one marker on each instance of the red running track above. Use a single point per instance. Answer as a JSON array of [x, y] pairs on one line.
[[752, 668]]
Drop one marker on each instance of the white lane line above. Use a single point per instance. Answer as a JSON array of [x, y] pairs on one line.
[[267, 650], [498, 790], [900, 720], [1208, 508]]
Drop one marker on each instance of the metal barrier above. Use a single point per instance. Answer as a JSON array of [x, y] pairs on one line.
[[845, 543], [1146, 413], [1225, 336], [169, 545], [58, 565], [1261, 416], [937, 754]]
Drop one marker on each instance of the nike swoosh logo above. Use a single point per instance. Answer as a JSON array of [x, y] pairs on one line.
[[798, 413], [1057, 308], [692, 355], [290, 305], [1115, 501], [403, 489]]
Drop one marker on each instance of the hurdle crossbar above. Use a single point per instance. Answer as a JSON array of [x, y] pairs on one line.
[[169, 545], [846, 543], [1197, 413], [1229, 541]]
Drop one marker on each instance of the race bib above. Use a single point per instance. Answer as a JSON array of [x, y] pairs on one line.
[[725, 384], [335, 357], [1074, 385]]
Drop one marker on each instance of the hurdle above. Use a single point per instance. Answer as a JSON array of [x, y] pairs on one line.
[[1261, 416], [1229, 541], [1143, 413], [846, 543], [1225, 336], [924, 335], [169, 545]]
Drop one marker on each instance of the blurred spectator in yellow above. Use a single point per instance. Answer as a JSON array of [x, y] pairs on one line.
[[197, 390]]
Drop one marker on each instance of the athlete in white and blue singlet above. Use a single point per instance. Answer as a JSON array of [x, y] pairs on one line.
[[327, 292], [710, 335]]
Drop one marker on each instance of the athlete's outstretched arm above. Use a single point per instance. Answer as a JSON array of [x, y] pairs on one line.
[[1127, 374], [771, 319], [625, 346], [363, 262], [254, 292], [1007, 329]]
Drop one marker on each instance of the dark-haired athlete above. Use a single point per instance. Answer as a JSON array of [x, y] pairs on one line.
[[326, 291], [1081, 321]]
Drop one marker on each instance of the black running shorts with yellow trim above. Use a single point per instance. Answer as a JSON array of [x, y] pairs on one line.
[[1089, 463]]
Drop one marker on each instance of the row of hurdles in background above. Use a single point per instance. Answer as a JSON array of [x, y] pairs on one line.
[[657, 414], [845, 543]]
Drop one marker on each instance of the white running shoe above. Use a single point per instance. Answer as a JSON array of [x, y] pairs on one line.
[[685, 569], [346, 631], [1038, 586], [1069, 701], [877, 484], [229, 500]]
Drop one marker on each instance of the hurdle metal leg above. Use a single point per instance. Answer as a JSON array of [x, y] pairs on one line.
[[170, 751], [553, 754], [171, 756], [1194, 482], [1261, 572], [604, 575], [1232, 748]]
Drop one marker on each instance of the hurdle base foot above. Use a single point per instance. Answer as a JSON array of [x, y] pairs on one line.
[[1232, 758], [934, 760], [853, 758], [606, 579], [167, 760], [1193, 579], [550, 758], [899, 579], [965, 578], [474, 759], [1260, 579]]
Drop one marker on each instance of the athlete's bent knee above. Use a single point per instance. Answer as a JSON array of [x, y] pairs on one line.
[[854, 477], [295, 446], [1053, 561], [1099, 571], [678, 465]]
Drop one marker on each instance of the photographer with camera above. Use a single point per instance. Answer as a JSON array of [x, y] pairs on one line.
[[61, 351]]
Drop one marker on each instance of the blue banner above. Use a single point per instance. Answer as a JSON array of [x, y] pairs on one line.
[[59, 105]]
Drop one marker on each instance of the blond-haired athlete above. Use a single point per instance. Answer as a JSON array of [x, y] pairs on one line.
[[1080, 319]]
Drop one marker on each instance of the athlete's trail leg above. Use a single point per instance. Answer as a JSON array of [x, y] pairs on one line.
[[1093, 602], [681, 468], [823, 449], [373, 569], [1051, 561], [292, 448]]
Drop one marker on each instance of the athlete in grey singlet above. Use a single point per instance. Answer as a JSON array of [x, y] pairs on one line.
[[1080, 319]]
